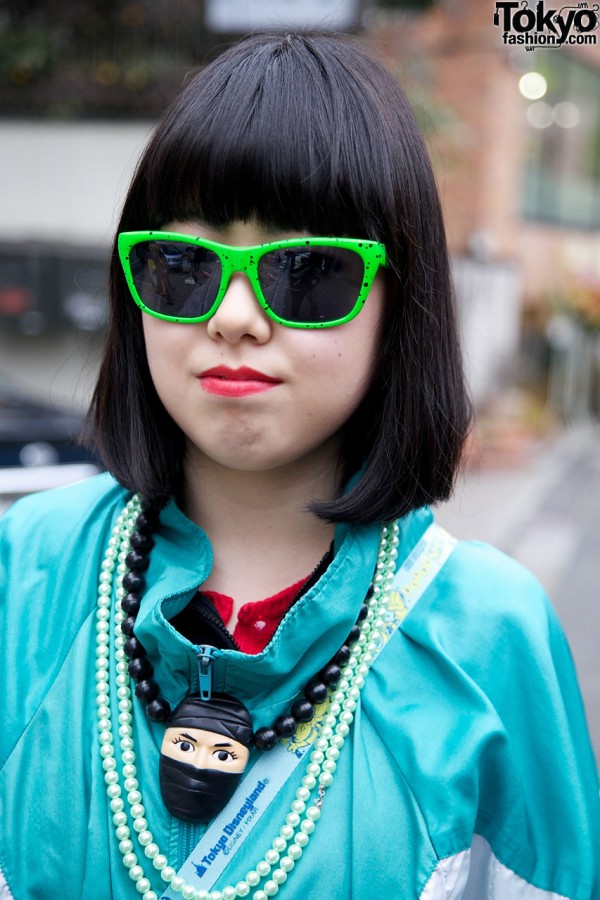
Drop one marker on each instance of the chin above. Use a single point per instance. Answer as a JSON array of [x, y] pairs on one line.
[[239, 459]]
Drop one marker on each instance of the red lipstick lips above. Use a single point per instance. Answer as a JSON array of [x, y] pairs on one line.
[[226, 382]]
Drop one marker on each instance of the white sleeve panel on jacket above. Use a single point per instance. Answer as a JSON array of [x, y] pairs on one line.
[[475, 874], [5, 893]]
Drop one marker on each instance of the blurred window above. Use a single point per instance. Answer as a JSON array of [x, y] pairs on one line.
[[44, 287], [562, 169]]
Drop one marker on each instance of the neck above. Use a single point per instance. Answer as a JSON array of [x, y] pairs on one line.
[[262, 534]]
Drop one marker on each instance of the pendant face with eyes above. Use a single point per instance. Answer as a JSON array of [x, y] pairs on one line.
[[204, 753]]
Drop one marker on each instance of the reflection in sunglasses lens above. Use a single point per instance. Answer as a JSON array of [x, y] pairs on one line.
[[311, 284], [176, 278]]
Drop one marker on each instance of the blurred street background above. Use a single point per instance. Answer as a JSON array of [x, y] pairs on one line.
[[514, 135]]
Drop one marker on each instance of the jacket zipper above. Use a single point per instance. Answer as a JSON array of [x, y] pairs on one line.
[[206, 655], [310, 582], [187, 841], [218, 623]]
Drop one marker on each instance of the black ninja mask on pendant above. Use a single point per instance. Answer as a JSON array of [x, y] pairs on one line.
[[203, 755]]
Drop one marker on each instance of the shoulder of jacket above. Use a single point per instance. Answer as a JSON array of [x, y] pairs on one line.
[[47, 517], [482, 598], [483, 562], [491, 581]]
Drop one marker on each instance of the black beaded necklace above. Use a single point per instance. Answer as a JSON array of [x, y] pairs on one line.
[[141, 670]]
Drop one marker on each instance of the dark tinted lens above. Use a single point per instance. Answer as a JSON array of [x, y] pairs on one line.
[[311, 284], [175, 278]]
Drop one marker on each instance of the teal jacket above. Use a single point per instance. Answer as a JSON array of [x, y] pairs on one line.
[[468, 772]]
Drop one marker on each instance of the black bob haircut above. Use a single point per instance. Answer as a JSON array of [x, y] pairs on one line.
[[308, 132]]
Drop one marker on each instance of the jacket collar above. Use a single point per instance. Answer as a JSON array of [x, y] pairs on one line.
[[308, 636]]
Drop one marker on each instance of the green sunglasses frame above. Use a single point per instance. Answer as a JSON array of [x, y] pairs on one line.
[[245, 259]]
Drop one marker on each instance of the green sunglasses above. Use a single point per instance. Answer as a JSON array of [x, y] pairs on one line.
[[315, 282]]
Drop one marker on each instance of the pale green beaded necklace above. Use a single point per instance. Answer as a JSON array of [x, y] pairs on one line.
[[294, 835]]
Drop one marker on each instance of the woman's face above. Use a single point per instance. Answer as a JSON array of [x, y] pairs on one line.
[[304, 383]]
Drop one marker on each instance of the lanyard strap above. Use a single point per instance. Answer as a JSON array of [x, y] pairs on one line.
[[226, 834]]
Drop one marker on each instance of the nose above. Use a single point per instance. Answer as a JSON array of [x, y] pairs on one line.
[[240, 315]]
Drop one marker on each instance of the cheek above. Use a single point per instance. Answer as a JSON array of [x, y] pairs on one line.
[[338, 375], [152, 331], [351, 379], [351, 351], [167, 347]]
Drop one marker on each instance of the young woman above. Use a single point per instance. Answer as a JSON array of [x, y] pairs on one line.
[[247, 662]]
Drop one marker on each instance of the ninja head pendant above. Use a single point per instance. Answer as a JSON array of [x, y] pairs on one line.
[[204, 753]]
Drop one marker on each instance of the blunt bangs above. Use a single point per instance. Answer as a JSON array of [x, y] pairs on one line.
[[292, 132], [307, 133]]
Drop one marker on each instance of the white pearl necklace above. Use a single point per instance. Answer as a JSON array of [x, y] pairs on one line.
[[287, 848]]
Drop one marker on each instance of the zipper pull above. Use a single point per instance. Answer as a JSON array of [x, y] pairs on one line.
[[205, 656]]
